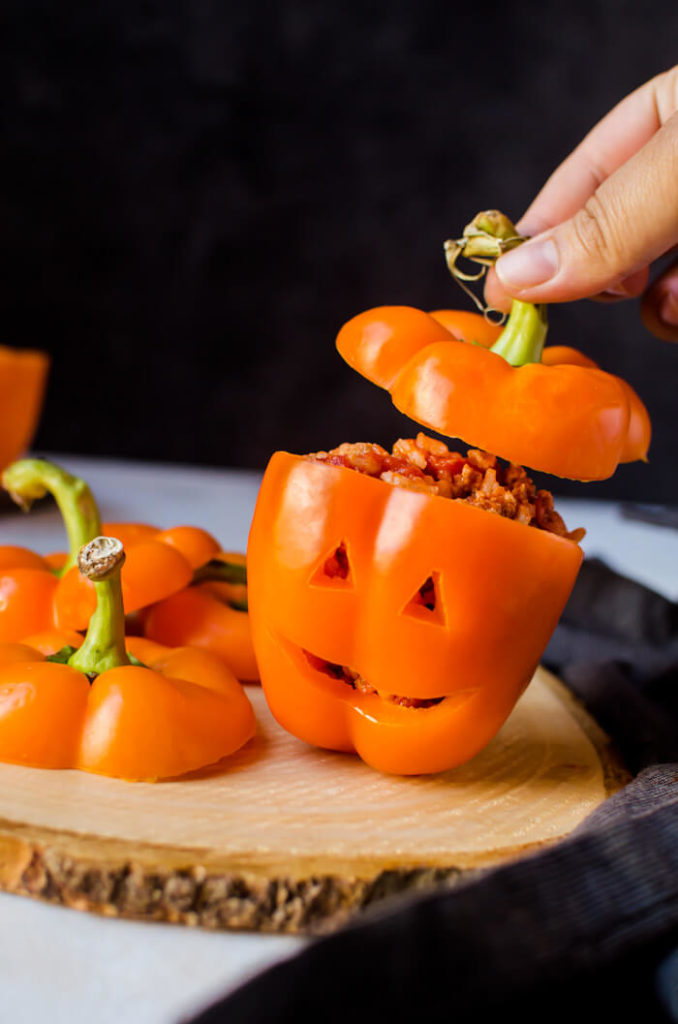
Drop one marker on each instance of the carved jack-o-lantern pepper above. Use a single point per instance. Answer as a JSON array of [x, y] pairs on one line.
[[435, 599], [389, 618]]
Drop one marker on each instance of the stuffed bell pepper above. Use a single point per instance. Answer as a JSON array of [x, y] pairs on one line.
[[400, 601]]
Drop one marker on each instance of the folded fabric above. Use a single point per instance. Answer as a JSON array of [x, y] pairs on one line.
[[617, 649], [590, 926]]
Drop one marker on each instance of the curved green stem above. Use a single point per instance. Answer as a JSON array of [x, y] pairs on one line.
[[30, 479], [523, 337], [104, 646], [219, 570]]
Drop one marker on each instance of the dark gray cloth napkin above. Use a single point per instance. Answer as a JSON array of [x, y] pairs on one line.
[[590, 926]]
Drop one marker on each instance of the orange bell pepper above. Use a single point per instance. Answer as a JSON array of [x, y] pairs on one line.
[[560, 414], [23, 376], [95, 709], [26, 602], [500, 587], [212, 614], [14, 557], [40, 593]]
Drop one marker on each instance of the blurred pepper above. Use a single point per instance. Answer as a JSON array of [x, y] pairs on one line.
[[28, 583], [40, 593], [23, 376], [212, 614]]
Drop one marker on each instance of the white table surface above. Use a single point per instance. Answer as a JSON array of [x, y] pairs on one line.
[[64, 966]]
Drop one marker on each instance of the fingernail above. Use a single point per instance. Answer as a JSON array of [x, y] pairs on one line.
[[528, 265], [668, 311]]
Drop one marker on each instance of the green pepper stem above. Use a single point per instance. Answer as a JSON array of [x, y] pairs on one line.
[[218, 570], [30, 479], [485, 238], [104, 646], [523, 337]]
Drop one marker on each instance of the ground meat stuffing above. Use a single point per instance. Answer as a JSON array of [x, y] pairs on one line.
[[360, 685], [477, 478]]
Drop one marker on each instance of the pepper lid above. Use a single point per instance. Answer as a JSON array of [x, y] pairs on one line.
[[550, 409]]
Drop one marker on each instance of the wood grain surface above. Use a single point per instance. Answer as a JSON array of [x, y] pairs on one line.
[[283, 837]]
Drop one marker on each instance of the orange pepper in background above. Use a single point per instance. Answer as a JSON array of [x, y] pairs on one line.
[[226, 578], [14, 557], [95, 710], [28, 582], [206, 588], [23, 376], [50, 641], [154, 569], [38, 593], [26, 602], [212, 615], [500, 589]]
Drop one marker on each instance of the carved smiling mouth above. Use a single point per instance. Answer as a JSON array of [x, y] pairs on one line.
[[356, 682]]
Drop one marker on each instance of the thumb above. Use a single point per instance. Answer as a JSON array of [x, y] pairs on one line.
[[630, 220]]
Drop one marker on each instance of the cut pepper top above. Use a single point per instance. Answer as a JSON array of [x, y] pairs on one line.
[[553, 410]]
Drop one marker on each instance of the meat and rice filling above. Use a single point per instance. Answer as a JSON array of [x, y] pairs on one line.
[[356, 682], [477, 478]]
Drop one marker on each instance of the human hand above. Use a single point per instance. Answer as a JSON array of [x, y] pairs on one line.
[[605, 214]]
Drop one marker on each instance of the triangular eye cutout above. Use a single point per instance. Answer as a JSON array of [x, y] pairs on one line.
[[426, 603], [335, 569]]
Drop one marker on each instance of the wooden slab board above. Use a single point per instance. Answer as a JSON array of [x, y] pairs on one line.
[[283, 837]]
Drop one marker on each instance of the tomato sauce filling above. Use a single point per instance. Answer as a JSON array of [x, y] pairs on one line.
[[477, 478]]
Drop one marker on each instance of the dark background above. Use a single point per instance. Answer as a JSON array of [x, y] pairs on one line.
[[196, 194]]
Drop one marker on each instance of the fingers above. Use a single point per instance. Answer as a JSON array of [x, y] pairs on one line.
[[630, 220], [569, 204], [496, 295], [659, 308], [613, 141], [629, 288]]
